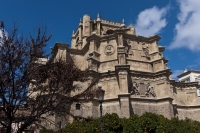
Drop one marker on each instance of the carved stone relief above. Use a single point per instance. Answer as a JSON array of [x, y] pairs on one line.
[[135, 89], [150, 91], [143, 90], [109, 50]]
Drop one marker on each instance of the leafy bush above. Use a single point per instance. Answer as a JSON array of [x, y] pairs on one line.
[[147, 123], [46, 131], [112, 123]]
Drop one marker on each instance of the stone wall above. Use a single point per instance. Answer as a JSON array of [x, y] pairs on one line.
[[191, 112], [159, 106]]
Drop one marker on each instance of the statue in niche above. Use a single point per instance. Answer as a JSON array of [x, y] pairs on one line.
[[127, 48], [120, 40], [135, 89], [145, 49], [150, 91]]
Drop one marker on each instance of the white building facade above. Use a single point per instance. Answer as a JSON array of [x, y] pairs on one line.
[[191, 76]]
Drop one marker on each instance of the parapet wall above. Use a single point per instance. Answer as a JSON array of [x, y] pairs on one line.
[[191, 112], [159, 106]]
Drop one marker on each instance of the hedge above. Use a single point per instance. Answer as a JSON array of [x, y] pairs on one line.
[[147, 123]]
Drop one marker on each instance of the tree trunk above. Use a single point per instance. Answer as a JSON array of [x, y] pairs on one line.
[[9, 129]]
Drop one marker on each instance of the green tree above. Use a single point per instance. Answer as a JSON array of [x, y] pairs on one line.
[[30, 90]]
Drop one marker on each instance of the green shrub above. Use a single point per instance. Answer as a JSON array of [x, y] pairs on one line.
[[112, 123], [46, 131], [131, 125], [147, 123]]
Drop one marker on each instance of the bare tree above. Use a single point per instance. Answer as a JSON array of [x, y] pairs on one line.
[[29, 90]]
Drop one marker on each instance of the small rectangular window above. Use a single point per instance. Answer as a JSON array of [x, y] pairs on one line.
[[78, 106]]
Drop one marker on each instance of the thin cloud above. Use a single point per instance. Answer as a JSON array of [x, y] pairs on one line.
[[151, 21], [182, 56], [176, 73], [195, 65], [187, 30]]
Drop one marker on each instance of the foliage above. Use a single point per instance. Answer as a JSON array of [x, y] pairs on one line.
[[147, 123], [30, 90]]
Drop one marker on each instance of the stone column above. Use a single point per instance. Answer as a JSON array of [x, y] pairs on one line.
[[92, 45], [123, 81], [86, 25], [124, 105], [122, 68], [80, 30], [121, 51], [98, 25]]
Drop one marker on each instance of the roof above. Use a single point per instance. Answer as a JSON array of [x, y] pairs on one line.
[[188, 72]]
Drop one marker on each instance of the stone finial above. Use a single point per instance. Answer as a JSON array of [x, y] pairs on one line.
[[80, 23], [123, 23], [98, 17]]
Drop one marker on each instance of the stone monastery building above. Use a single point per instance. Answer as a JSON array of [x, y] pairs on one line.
[[132, 69]]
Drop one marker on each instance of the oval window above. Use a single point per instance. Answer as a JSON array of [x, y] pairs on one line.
[[109, 32]]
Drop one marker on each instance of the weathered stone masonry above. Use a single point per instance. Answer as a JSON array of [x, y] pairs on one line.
[[132, 69]]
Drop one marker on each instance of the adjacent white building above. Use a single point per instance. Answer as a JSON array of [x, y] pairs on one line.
[[190, 76]]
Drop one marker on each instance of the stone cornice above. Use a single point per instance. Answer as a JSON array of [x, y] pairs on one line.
[[153, 74], [183, 84], [93, 37], [133, 99], [161, 48], [59, 44], [188, 107], [137, 73], [151, 100], [121, 30], [149, 62], [122, 67], [76, 51], [142, 38], [79, 51], [107, 37]]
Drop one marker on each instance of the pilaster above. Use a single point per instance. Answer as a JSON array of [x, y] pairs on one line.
[[124, 105], [86, 25], [122, 71]]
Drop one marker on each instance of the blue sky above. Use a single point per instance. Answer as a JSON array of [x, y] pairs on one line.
[[176, 21]]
